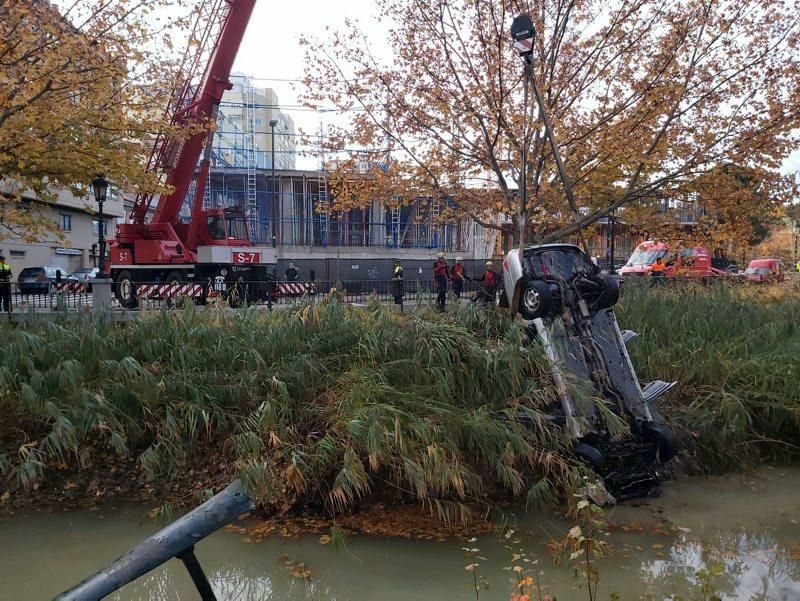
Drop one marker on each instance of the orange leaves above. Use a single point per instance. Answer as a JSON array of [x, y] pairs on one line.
[[640, 106]]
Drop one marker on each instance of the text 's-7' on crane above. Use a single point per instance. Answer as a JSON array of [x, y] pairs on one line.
[[214, 248]]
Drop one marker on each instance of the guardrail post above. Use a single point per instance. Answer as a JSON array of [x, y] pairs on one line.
[[102, 296]]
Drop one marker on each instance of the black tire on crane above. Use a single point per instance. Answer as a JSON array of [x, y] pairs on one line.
[[174, 277], [125, 289]]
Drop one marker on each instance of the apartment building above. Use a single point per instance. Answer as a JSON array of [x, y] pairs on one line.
[[73, 241]]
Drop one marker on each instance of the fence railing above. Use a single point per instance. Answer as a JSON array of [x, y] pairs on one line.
[[154, 295]]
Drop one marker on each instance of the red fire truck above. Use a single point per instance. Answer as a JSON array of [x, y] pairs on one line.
[[164, 256]]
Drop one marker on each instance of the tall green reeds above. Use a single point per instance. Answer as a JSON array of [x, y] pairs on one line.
[[331, 405], [735, 351], [327, 404]]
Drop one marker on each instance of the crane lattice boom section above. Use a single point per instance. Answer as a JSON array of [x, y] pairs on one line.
[[191, 82]]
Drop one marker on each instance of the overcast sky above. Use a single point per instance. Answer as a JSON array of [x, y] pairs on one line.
[[270, 51]]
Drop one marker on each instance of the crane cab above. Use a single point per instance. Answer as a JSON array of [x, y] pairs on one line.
[[223, 227]]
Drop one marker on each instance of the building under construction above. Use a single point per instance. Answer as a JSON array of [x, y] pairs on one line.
[[297, 219]]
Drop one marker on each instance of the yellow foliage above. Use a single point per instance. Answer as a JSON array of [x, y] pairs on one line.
[[82, 92]]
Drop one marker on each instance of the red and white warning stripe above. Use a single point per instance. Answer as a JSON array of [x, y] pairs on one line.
[[523, 46], [169, 290], [69, 287], [296, 288]]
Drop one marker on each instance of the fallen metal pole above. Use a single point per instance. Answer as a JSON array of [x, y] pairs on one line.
[[176, 540]]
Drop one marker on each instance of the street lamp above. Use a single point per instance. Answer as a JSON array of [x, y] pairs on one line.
[[100, 186], [522, 34], [273, 208]]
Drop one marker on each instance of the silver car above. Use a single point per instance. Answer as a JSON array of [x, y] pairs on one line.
[[566, 305]]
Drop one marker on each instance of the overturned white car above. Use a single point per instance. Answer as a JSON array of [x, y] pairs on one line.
[[567, 305]]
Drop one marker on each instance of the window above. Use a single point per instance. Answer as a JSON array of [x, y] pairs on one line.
[[18, 253], [258, 121], [66, 222], [96, 227]]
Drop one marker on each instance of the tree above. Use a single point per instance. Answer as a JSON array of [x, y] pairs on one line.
[[646, 97], [82, 92]]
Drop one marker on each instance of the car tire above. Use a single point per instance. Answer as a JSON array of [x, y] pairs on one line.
[[535, 299], [668, 443], [125, 290], [591, 456], [610, 294]]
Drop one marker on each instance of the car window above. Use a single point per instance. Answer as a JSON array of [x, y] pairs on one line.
[[31, 272]]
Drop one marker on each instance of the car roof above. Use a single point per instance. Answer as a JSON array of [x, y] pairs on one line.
[[553, 246]]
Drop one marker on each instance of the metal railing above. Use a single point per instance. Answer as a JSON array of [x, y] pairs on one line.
[[176, 540], [155, 295], [51, 296]]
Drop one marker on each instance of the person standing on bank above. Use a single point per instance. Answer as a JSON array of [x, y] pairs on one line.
[[5, 285], [292, 273], [397, 283], [491, 282], [457, 276], [441, 270]]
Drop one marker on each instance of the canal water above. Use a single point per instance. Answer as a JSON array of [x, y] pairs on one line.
[[746, 525]]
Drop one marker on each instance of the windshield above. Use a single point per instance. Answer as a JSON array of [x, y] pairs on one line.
[[237, 229], [646, 256], [562, 263]]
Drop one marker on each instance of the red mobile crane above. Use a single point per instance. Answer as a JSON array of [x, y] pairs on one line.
[[215, 245]]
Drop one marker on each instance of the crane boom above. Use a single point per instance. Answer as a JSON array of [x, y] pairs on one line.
[[216, 36]]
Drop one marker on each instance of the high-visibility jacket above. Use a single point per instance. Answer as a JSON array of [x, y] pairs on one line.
[[5, 273], [398, 271], [658, 267]]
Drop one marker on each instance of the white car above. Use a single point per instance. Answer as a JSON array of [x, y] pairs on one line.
[[566, 303]]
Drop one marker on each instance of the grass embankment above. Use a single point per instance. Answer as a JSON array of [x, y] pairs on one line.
[[328, 405], [735, 351], [334, 407]]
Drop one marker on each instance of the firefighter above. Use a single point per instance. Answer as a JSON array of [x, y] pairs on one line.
[[441, 270], [5, 285], [657, 271], [397, 283], [457, 276], [491, 281]]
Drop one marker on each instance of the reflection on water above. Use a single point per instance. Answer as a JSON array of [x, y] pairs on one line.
[[748, 525]]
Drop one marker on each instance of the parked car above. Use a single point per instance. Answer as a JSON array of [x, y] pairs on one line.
[[764, 270], [86, 275], [38, 280]]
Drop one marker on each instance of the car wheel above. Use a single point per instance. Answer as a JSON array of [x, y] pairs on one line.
[[535, 299], [125, 290], [591, 456], [668, 444], [610, 294]]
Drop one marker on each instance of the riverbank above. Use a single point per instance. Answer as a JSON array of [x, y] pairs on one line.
[[331, 408]]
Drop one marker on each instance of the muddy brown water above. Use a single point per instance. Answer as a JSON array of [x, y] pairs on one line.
[[749, 524]]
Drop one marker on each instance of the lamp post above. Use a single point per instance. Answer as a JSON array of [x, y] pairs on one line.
[[522, 34], [274, 205], [100, 186]]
